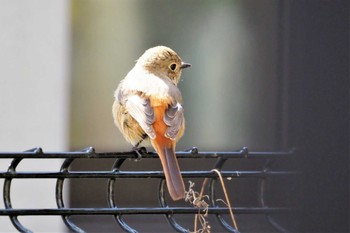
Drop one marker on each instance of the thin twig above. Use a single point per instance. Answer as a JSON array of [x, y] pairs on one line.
[[197, 216], [227, 199], [205, 181], [196, 199]]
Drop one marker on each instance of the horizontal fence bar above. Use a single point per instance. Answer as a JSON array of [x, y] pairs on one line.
[[139, 211], [139, 174], [91, 154]]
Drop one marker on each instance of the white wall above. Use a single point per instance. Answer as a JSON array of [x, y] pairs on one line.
[[34, 94]]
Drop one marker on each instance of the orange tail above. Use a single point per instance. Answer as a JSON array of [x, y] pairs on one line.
[[174, 181]]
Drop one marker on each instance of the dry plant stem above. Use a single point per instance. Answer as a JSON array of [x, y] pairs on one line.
[[203, 186], [197, 216], [196, 220], [227, 199]]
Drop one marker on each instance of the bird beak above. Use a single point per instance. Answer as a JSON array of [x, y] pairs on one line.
[[185, 65]]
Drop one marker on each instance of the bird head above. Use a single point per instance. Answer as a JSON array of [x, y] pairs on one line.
[[163, 62]]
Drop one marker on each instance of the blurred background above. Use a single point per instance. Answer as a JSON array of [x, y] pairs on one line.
[[267, 74]]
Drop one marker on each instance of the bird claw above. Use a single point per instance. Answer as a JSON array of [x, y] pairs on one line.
[[139, 152], [193, 150]]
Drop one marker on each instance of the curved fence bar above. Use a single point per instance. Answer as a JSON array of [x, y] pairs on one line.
[[263, 176], [7, 196], [262, 198], [163, 203], [7, 189], [110, 197], [221, 161], [59, 196]]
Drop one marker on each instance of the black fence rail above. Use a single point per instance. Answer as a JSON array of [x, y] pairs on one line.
[[117, 173]]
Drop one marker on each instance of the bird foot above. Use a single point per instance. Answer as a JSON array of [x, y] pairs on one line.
[[139, 151], [193, 150]]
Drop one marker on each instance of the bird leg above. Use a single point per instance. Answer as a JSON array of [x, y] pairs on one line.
[[141, 150]]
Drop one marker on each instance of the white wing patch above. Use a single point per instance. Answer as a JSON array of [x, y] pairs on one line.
[[140, 109], [173, 118]]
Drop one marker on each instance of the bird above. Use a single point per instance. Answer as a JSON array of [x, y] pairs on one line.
[[148, 108]]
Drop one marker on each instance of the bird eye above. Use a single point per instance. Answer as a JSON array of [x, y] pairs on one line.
[[173, 66]]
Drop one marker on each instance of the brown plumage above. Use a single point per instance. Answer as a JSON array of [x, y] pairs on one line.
[[148, 105]]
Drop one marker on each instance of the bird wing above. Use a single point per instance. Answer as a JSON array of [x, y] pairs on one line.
[[140, 109], [173, 118]]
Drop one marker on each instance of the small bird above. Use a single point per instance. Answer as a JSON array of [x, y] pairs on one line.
[[148, 107]]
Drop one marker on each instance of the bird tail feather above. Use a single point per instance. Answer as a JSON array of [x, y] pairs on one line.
[[174, 181]]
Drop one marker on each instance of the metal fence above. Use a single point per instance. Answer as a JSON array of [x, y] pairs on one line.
[[116, 172]]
